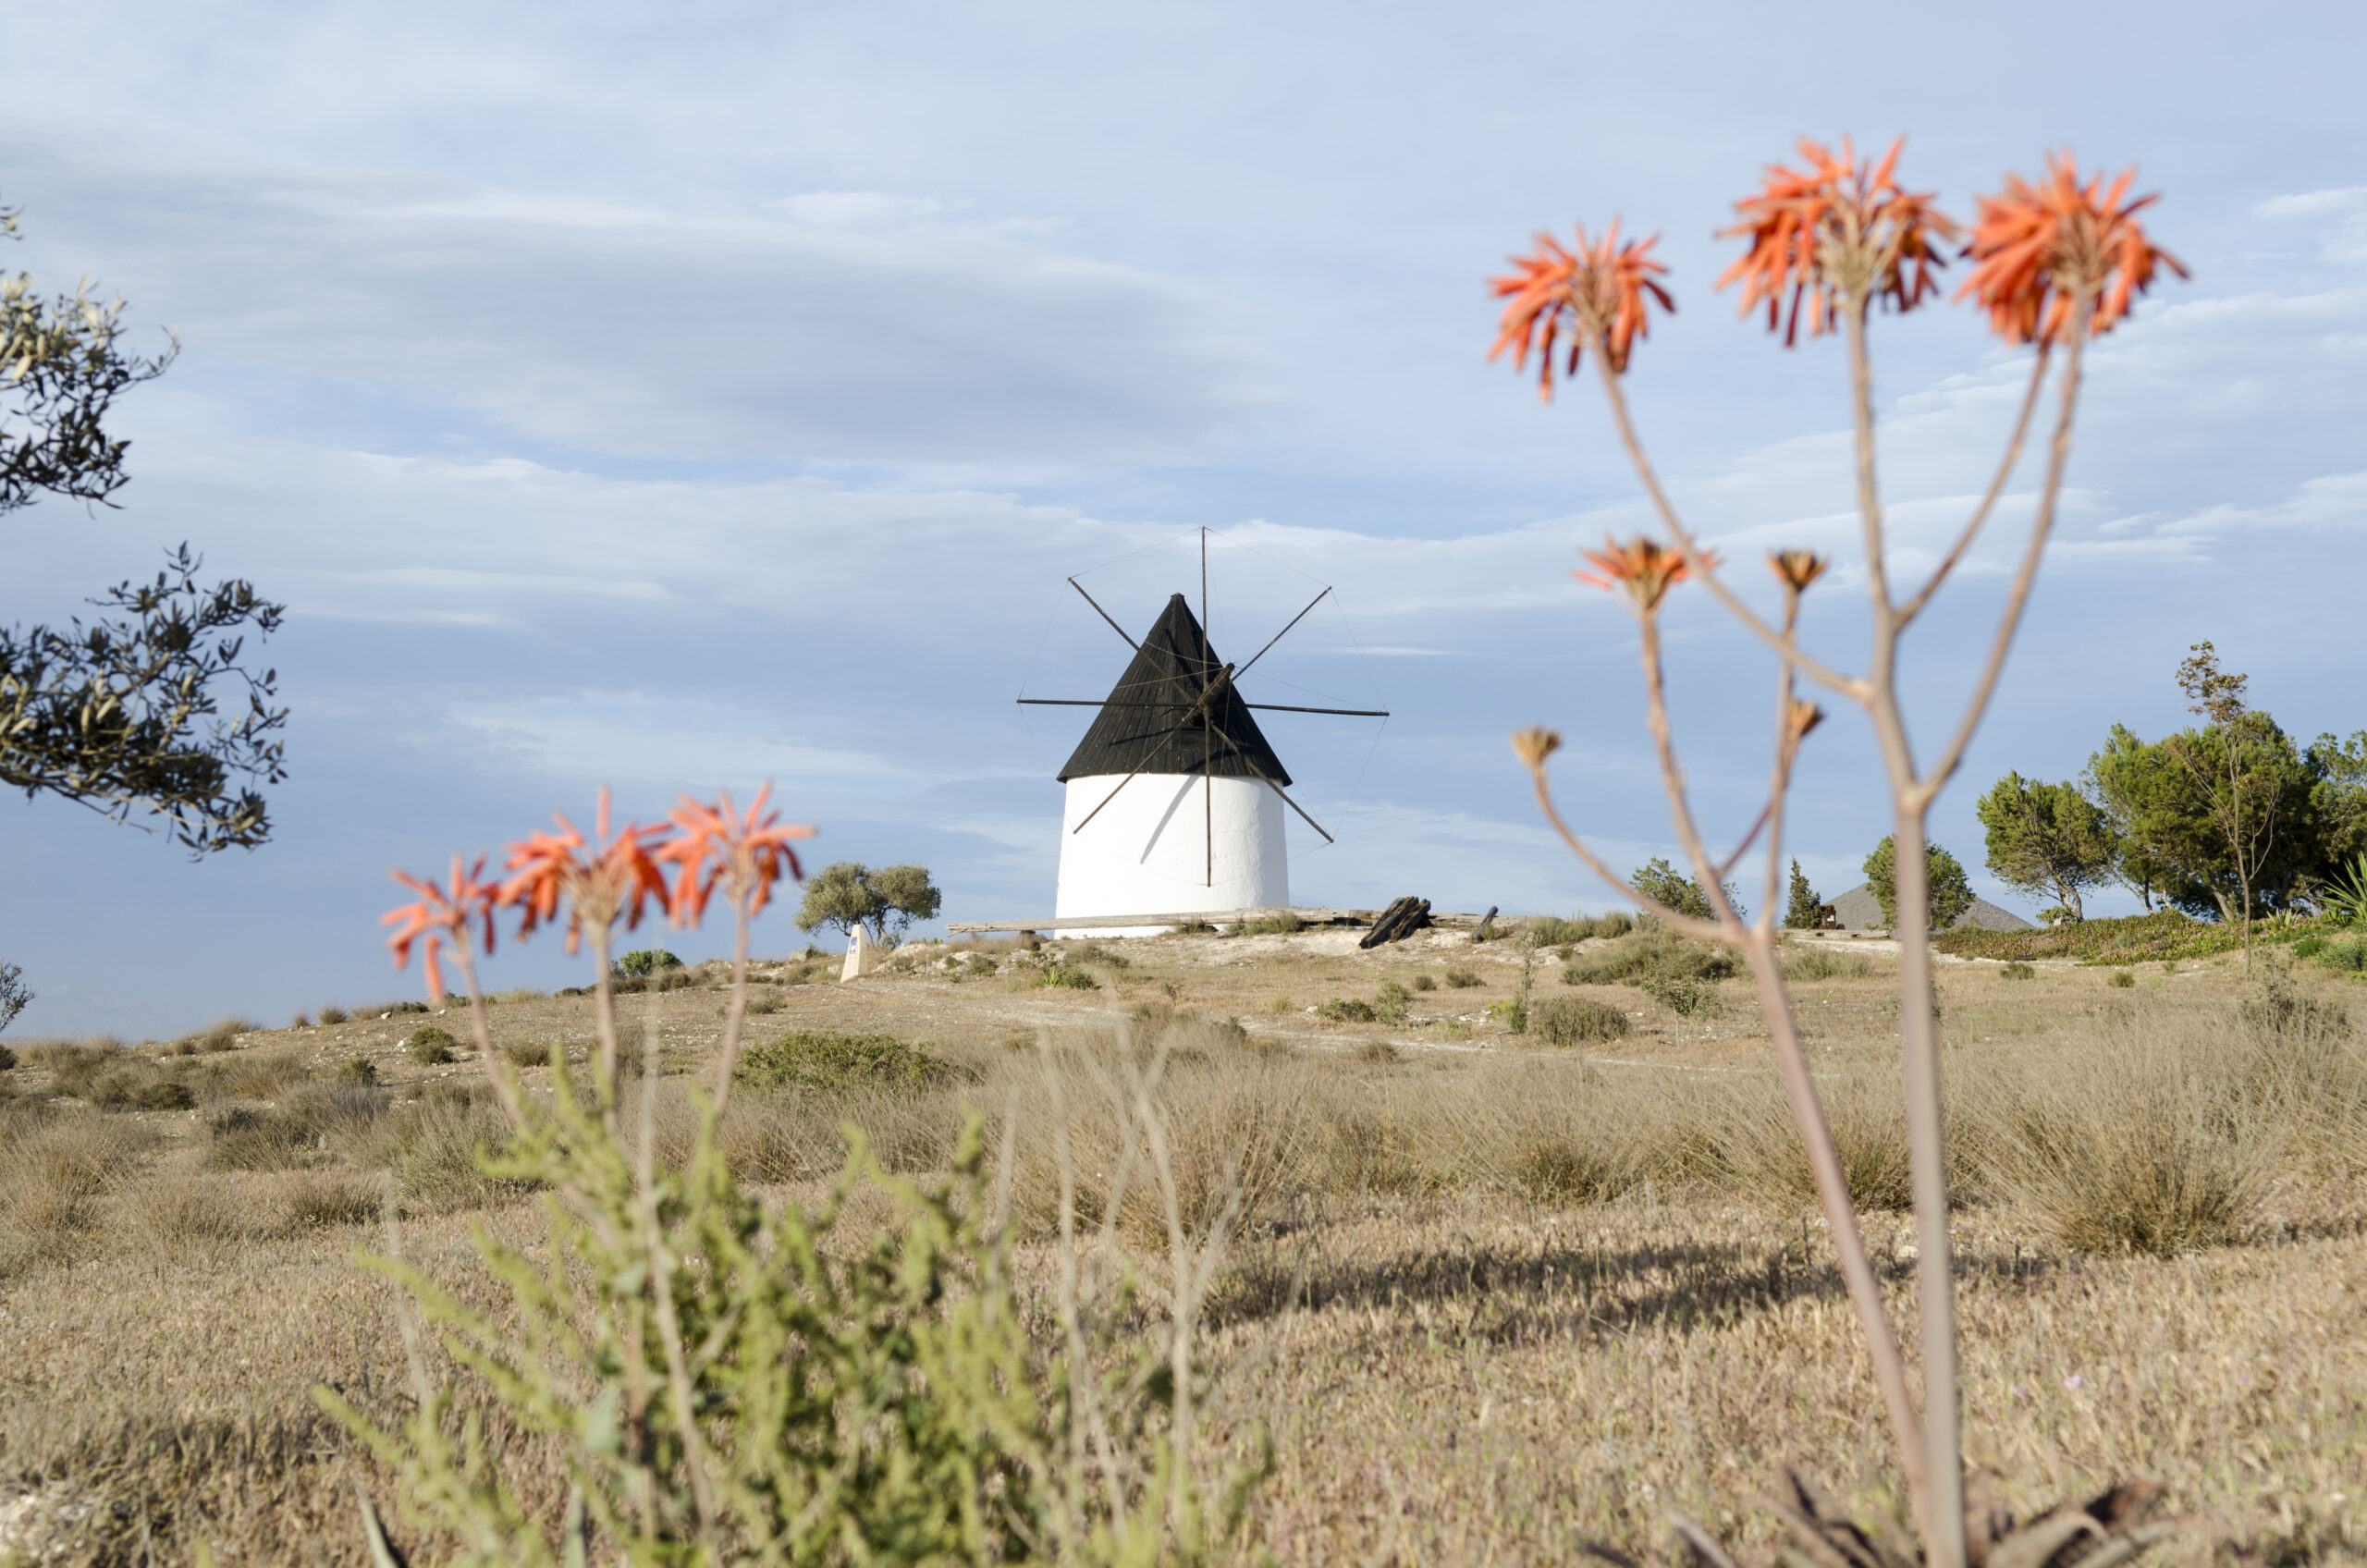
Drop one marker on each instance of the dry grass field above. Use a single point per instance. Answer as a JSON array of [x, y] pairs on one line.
[[1493, 1297]]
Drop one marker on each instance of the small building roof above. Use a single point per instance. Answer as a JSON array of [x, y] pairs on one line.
[[1859, 910], [1146, 722]]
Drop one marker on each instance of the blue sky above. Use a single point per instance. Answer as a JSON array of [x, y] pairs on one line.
[[687, 395]]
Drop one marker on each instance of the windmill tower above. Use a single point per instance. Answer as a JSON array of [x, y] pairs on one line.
[[1174, 796]]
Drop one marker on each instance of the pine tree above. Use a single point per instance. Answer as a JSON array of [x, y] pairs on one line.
[[1804, 912]]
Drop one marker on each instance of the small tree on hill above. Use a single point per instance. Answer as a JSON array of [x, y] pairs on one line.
[[848, 893], [1662, 882], [1950, 893], [2047, 841], [14, 996], [1804, 911]]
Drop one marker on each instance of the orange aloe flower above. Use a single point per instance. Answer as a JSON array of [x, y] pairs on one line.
[[1796, 568], [715, 843], [1644, 569], [1603, 287], [441, 915], [2041, 251], [1824, 232], [601, 879]]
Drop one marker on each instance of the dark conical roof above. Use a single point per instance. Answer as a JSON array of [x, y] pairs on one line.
[[1147, 722]]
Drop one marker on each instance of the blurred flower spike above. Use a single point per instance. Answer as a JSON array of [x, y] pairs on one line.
[[1796, 568], [601, 880], [2040, 251], [1641, 568], [1837, 230], [717, 844], [441, 915], [1602, 287], [1534, 745]]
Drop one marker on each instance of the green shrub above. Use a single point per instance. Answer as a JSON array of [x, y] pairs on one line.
[[821, 1060], [163, 1093], [1816, 961], [1552, 931], [1093, 955], [1575, 1021], [1630, 956], [2309, 945], [1062, 975], [358, 1071], [1348, 1010], [429, 1045], [1684, 994], [2349, 955], [1464, 979], [2120, 979], [643, 962], [220, 1035], [1274, 925], [2018, 970], [8, 1058]]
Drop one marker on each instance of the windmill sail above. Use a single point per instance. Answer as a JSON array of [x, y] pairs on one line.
[[1151, 721]]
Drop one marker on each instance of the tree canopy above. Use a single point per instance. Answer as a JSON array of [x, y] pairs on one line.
[[1662, 882], [2047, 841], [127, 711], [2173, 835], [1950, 893], [847, 893], [1803, 911]]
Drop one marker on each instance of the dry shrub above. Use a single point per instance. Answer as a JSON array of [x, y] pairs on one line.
[[1562, 1021], [54, 1171], [1653, 951], [1236, 1121], [1759, 1149], [434, 1150], [1462, 979], [216, 1037], [527, 1053], [186, 1213], [312, 1200], [250, 1075], [2149, 1144], [302, 1130], [429, 1045], [1819, 963]]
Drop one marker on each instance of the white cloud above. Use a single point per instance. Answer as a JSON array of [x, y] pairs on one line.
[[851, 325]]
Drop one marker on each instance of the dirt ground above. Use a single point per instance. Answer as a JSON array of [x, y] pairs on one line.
[[1452, 1374]]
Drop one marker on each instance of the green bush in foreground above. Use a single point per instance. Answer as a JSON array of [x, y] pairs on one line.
[[808, 1404]]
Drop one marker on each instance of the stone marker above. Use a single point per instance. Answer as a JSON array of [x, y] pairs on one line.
[[862, 957]]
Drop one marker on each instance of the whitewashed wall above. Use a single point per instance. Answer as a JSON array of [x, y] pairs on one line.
[[1146, 852]]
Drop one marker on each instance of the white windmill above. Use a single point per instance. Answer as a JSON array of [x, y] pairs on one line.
[[1174, 749]]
